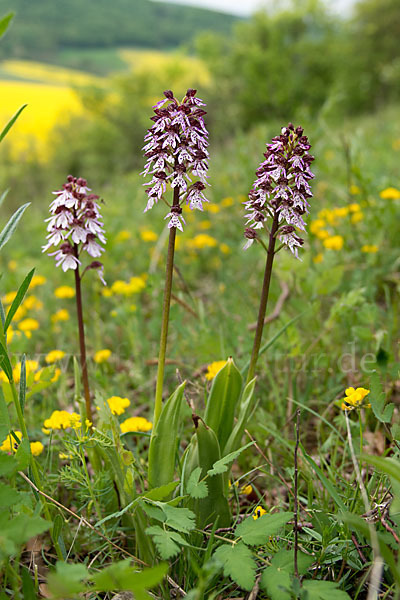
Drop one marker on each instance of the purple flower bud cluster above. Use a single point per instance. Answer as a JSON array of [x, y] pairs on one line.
[[176, 147], [281, 190], [75, 226]]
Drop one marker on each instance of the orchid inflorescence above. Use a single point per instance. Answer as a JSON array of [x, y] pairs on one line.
[[281, 190], [176, 146], [75, 226]]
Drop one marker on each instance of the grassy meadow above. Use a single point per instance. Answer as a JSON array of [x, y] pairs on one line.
[[310, 483]]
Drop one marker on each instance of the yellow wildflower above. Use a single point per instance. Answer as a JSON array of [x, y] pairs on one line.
[[56, 375], [32, 303], [246, 490], [30, 367], [37, 280], [64, 291], [334, 243], [123, 236], [226, 202], [318, 258], [19, 313], [148, 235], [259, 511], [10, 442], [355, 398], [322, 234], [354, 207], [205, 224], [54, 356], [390, 193], [60, 315], [202, 240], [316, 225], [28, 325], [136, 424], [341, 211], [62, 419], [369, 248], [134, 286], [118, 405], [12, 265], [107, 292], [224, 248], [214, 368], [354, 190], [64, 456], [212, 208], [102, 355], [356, 217], [8, 298], [36, 447]]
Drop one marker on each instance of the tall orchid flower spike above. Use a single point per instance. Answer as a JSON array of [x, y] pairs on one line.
[[177, 159], [75, 227], [176, 151], [276, 207]]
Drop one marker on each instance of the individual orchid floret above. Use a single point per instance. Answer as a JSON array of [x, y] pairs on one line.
[[176, 150], [75, 226], [281, 191]]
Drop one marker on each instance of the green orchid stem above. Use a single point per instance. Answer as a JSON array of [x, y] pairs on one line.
[[82, 344], [263, 300], [33, 465], [165, 316]]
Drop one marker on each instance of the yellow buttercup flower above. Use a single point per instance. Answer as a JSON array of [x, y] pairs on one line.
[[118, 405], [148, 235], [54, 356], [334, 242], [259, 511], [214, 368], [369, 249], [64, 291], [390, 193], [60, 315], [37, 280], [102, 355], [135, 424], [8, 298], [355, 398]]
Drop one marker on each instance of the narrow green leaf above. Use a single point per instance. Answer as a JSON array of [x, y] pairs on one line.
[[12, 224], [238, 564], [22, 383], [18, 299], [4, 196], [28, 585], [325, 482], [5, 362], [255, 532], [3, 317], [389, 466], [4, 23], [222, 464], [196, 488], [11, 121], [246, 405], [5, 423]]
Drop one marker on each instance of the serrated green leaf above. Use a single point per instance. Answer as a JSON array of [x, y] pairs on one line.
[[284, 559], [221, 466], [162, 492], [8, 127], [256, 532], [377, 398], [24, 527], [322, 590], [277, 583], [123, 576], [4, 23], [12, 224], [238, 564], [181, 519], [18, 299], [167, 542], [8, 495], [67, 579], [8, 464], [196, 488]]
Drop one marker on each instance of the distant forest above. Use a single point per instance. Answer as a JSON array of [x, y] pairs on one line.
[[43, 28]]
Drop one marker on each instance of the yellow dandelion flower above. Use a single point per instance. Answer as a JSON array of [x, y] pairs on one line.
[[37, 280], [334, 243], [148, 235], [354, 190], [60, 315], [369, 249], [64, 291], [214, 368], [318, 258], [259, 511], [54, 356], [10, 443], [390, 193], [135, 424], [102, 355], [123, 236], [226, 202], [9, 298], [356, 217], [118, 405], [36, 448]]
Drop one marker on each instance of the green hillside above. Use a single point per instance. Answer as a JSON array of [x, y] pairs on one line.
[[48, 29]]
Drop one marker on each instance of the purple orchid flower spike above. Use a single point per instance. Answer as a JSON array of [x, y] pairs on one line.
[[176, 148]]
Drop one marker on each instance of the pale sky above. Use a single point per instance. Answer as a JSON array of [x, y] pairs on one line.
[[247, 7]]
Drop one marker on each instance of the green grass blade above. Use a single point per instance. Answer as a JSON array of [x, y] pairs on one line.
[[11, 121], [12, 224], [18, 299]]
